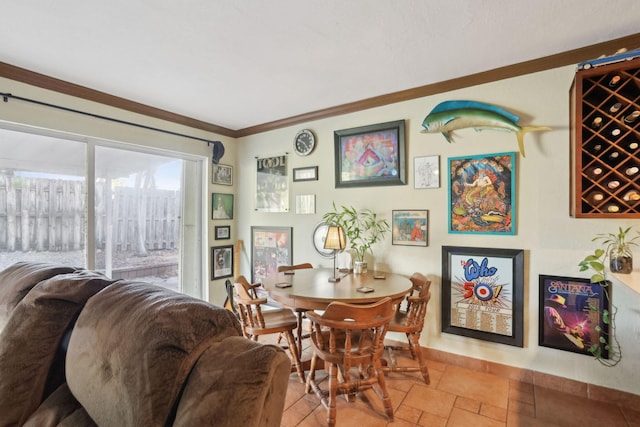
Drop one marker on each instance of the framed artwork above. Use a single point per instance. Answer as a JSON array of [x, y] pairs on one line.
[[571, 314], [221, 262], [370, 155], [409, 228], [482, 194], [483, 293], [223, 232], [305, 203], [305, 174], [270, 248], [221, 206], [222, 174], [272, 186], [426, 172]]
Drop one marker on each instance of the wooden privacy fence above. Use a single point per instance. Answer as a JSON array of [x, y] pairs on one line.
[[38, 214]]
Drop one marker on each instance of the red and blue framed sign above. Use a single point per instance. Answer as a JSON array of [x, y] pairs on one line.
[[483, 293]]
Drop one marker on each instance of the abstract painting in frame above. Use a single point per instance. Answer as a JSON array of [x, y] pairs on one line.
[[221, 262], [571, 314], [270, 248], [409, 227], [483, 293], [371, 155], [482, 194]]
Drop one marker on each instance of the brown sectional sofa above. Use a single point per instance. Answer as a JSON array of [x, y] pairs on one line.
[[79, 349]]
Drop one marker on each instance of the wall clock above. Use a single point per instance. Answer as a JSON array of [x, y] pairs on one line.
[[304, 142], [319, 234]]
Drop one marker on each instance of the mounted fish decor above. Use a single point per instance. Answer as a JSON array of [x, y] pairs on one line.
[[453, 115]]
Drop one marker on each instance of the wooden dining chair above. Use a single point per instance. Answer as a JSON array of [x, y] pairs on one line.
[[349, 337], [410, 321], [255, 322], [299, 311]]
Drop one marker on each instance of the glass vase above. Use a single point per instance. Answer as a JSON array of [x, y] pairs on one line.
[[621, 260]]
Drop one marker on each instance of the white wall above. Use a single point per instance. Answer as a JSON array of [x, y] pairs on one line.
[[553, 241]]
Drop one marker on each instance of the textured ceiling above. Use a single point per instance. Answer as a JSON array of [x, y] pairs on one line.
[[239, 64]]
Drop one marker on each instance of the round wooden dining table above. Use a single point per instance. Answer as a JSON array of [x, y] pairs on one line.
[[311, 289]]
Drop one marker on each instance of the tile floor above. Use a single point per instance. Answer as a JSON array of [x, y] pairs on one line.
[[457, 396]]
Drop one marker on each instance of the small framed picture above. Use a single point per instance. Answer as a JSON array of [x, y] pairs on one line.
[[305, 174], [426, 172], [221, 262], [409, 228], [222, 174], [221, 206], [305, 203], [223, 232]]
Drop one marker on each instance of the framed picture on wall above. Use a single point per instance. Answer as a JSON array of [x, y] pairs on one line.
[[571, 314], [221, 262], [270, 248], [371, 155], [222, 174], [426, 172], [221, 206], [483, 293], [222, 232], [482, 194], [409, 227]]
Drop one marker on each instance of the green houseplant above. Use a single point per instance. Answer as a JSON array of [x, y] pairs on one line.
[[362, 227], [613, 245]]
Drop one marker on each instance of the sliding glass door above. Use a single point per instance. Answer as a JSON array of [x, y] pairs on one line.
[[105, 206]]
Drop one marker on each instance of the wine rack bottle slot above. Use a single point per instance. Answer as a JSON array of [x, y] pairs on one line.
[[605, 139]]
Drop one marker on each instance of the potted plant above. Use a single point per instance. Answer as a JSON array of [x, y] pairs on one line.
[[618, 248], [613, 245], [362, 227]]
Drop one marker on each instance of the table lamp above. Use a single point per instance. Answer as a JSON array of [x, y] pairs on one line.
[[335, 240]]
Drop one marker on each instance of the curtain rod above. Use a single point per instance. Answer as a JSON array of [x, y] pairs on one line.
[[7, 96]]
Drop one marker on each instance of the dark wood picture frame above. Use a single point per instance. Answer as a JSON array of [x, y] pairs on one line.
[[222, 232], [371, 155], [410, 227], [571, 314], [483, 293], [221, 206], [222, 174], [221, 262], [309, 173], [271, 247]]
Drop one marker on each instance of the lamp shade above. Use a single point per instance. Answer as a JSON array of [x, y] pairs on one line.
[[335, 239]]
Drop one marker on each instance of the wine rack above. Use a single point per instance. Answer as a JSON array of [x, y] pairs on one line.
[[605, 141]]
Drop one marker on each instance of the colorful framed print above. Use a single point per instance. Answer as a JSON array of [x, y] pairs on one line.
[[222, 174], [371, 155], [409, 228], [483, 293], [482, 194], [426, 172], [221, 206], [221, 262], [270, 248], [571, 314], [222, 232]]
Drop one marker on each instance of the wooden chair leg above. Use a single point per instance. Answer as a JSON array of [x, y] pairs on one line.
[[333, 391], [414, 341], [382, 384], [293, 349]]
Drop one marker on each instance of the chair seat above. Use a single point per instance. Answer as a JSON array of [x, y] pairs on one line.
[[283, 318], [399, 323]]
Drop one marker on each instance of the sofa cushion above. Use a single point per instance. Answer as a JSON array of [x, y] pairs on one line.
[[31, 340], [18, 279], [236, 382], [58, 410], [137, 343]]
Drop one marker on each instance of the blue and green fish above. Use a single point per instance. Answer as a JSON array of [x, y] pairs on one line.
[[453, 115]]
